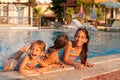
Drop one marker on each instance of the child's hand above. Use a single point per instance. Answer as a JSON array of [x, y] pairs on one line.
[[6, 68], [26, 48], [89, 65], [62, 66], [79, 66]]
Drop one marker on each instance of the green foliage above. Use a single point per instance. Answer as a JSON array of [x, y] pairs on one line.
[[31, 0], [87, 6], [99, 14], [37, 11], [79, 2], [57, 8], [69, 11]]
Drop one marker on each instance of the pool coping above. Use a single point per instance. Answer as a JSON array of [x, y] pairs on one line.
[[108, 61], [26, 27]]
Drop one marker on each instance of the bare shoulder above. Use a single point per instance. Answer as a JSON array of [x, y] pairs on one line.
[[70, 44], [27, 57], [68, 47], [53, 54]]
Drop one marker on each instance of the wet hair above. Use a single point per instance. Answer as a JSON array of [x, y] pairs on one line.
[[60, 42], [41, 44], [83, 55]]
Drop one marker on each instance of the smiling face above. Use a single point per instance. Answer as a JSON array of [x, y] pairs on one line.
[[35, 51], [80, 38]]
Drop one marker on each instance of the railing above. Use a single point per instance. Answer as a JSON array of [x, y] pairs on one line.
[[15, 20], [23, 21]]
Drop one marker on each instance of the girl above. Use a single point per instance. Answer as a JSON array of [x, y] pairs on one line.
[[77, 48], [29, 62], [52, 55]]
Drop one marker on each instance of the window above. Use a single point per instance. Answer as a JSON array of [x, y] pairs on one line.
[[20, 15]]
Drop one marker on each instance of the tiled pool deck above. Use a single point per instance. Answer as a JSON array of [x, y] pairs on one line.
[[103, 65]]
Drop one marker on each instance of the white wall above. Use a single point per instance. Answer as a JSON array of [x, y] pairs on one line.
[[16, 11]]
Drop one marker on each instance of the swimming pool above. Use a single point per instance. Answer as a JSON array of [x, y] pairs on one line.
[[101, 43]]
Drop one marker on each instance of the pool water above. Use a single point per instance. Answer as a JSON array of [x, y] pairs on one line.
[[101, 43]]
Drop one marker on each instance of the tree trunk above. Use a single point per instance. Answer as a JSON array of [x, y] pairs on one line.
[[68, 20], [37, 21]]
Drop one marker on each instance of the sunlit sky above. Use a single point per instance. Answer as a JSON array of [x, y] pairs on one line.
[[44, 1]]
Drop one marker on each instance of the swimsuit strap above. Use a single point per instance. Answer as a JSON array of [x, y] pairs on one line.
[[72, 50], [30, 66], [72, 55]]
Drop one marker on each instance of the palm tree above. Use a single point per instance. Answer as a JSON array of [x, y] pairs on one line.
[[58, 10], [37, 11], [69, 12]]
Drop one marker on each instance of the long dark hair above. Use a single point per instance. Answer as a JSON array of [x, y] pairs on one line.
[[60, 42], [84, 52]]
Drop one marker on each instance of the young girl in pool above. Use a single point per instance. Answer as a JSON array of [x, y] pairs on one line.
[[30, 61], [51, 56], [77, 48], [50, 59]]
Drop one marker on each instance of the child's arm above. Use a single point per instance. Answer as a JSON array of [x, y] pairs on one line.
[[43, 64], [66, 59], [18, 53], [66, 54], [50, 59], [59, 62], [88, 64], [25, 48], [39, 70], [23, 64]]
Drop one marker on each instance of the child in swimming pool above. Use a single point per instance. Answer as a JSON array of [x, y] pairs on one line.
[[77, 48], [30, 61], [51, 56]]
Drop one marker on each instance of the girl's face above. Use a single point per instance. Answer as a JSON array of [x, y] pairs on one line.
[[80, 38], [35, 51]]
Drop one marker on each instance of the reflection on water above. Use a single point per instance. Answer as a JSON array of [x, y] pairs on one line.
[[101, 43]]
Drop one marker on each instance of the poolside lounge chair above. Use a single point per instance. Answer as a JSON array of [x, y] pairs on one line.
[[90, 27], [115, 26], [77, 24], [74, 24]]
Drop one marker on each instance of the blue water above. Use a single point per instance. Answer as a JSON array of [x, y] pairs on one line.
[[101, 43]]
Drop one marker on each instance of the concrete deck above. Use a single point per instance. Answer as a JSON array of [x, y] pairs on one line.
[[103, 65]]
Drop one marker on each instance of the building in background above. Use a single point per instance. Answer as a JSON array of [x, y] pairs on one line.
[[48, 17], [15, 13], [116, 11]]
